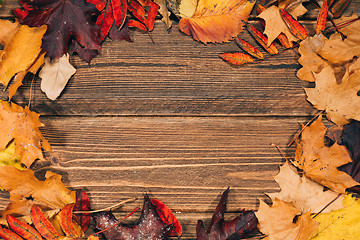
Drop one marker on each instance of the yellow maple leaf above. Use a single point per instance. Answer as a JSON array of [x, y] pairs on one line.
[[22, 126], [319, 162], [26, 190], [216, 21], [340, 224]]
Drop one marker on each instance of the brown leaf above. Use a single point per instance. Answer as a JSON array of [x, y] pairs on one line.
[[26, 190], [22, 126], [319, 162], [216, 21]]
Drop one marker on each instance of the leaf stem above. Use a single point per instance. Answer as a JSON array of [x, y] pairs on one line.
[[108, 208], [327, 205]]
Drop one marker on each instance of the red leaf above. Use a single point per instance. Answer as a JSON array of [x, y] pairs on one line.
[[295, 27], [321, 20], [42, 224], [150, 20], [237, 58], [20, 13], [168, 217], [82, 204], [66, 221], [23, 229], [105, 21], [137, 10], [139, 25], [65, 19], [7, 234], [249, 48], [119, 8], [262, 39]]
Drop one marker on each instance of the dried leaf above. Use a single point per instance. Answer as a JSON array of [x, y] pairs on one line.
[[164, 13], [216, 21], [319, 162], [187, 8], [321, 20], [339, 7], [49, 194], [55, 76], [260, 38], [67, 225], [22, 126], [167, 217], [249, 48], [42, 224], [7, 234], [275, 25], [8, 157], [237, 58], [305, 194], [295, 27], [23, 229], [82, 204]]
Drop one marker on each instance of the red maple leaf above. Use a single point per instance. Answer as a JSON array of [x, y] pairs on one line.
[[66, 19]]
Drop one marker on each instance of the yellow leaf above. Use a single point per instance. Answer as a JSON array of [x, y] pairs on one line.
[[22, 126], [20, 52], [319, 162], [216, 21], [8, 30], [8, 157], [26, 190], [187, 7], [340, 224]]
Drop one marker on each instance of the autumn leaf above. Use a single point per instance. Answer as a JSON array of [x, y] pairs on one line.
[[26, 190], [8, 157], [82, 204], [319, 162], [247, 47], [55, 76], [294, 26], [340, 224], [262, 39], [164, 13], [22, 126], [275, 25], [236, 58], [305, 194], [216, 21], [22, 46], [149, 226], [187, 8], [65, 19], [238, 228], [278, 223]]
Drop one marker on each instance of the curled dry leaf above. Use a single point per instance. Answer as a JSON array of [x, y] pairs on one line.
[[277, 221], [55, 76], [22, 126], [319, 162], [216, 21], [26, 190], [305, 194], [164, 13]]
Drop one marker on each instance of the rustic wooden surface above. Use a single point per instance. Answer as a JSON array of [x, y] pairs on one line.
[[172, 120]]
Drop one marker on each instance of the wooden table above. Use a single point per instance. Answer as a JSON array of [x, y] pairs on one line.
[[173, 120]]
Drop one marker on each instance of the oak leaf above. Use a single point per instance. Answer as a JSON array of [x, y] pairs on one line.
[[26, 190], [65, 19], [55, 75], [277, 221], [216, 21], [22, 46], [305, 194], [22, 126], [319, 162], [238, 228], [341, 224], [275, 25]]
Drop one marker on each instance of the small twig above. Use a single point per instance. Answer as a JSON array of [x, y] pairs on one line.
[[31, 86], [327, 205], [106, 209], [152, 40], [137, 208], [302, 129]]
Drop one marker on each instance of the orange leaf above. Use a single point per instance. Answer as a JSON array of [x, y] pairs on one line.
[[339, 7], [137, 10], [67, 223], [150, 20], [23, 229], [93, 237], [249, 48], [7, 234], [260, 38], [216, 21], [295, 27], [168, 217], [321, 20], [237, 58], [42, 224], [137, 24]]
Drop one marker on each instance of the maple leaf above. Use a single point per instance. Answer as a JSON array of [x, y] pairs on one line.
[[26, 190], [22, 126], [55, 76], [319, 162], [65, 19], [341, 224], [275, 25], [277, 221], [22, 46], [305, 194], [149, 226], [245, 223], [216, 21]]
